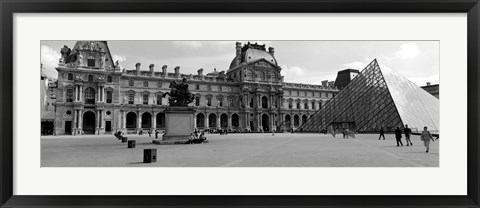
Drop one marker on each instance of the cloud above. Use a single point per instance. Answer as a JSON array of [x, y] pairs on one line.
[[355, 65], [293, 73], [49, 58], [118, 58], [408, 51]]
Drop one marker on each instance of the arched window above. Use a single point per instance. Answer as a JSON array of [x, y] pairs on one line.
[[264, 102], [89, 96]]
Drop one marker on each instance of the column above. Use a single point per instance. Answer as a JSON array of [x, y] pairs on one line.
[[154, 121], [139, 121], [75, 120], [194, 120], [80, 119], [259, 121], [218, 121], [207, 125], [229, 121], [76, 93], [124, 120], [247, 121], [81, 93]]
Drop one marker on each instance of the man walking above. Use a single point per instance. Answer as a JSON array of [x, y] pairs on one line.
[[381, 134], [407, 132], [398, 136]]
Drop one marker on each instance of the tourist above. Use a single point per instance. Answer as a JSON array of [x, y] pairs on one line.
[[398, 136], [191, 140], [426, 136], [202, 138], [407, 132], [156, 134], [381, 134], [149, 133]]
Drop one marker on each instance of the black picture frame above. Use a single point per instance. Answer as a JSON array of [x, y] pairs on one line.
[[10, 7]]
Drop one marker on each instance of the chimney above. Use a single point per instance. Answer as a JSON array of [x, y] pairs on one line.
[[151, 67], [137, 66], [177, 70], [238, 49], [325, 83], [271, 50], [164, 69], [200, 72], [428, 83]]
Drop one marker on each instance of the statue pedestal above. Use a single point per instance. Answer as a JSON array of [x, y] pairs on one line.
[[178, 124]]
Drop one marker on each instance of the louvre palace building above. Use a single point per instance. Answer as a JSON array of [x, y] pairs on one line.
[[95, 96]]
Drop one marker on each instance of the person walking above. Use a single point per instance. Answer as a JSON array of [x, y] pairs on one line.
[[407, 132], [398, 136], [381, 134], [156, 134], [426, 137]]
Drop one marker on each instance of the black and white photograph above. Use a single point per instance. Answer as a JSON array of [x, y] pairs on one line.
[[239, 103]]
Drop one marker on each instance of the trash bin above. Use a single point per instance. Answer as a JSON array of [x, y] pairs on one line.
[[149, 155], [131, 143], [124, 139]]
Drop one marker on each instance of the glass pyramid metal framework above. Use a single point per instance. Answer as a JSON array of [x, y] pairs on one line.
[[378, 97]]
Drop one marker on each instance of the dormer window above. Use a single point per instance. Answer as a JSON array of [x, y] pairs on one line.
[[91, 61]]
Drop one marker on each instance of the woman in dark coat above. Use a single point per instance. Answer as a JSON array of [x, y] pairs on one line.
[[398, 136]]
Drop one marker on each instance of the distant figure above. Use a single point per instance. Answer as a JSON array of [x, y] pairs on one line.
[[192, 139], [202, 138], [345, 133], [426, 137], [149, 133], [156, 134], [398, 136], [407, 132], [381, 134]]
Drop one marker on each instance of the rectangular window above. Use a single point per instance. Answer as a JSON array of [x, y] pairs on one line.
[[159, 99], [69, 95], [91, 62], [298, 105], [130, 83], [198, 87], [70, 76], [197, 101], [209, 88], [220, 88], [131, 98], [305, 106], [145, 99], [313, 105], [145, 83], [230, 102], [209, 101], [109, 96], [220, 102], [290, 106], [159, 84]]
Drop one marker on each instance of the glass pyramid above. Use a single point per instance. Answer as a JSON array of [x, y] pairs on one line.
[[378, 97]]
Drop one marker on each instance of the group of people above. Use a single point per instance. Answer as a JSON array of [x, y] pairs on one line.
[[425, 137], [197, 137]]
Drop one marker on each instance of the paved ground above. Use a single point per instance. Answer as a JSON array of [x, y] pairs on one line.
[[240, 150]]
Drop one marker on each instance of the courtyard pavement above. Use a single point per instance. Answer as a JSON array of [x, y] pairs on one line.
[[240, 150]]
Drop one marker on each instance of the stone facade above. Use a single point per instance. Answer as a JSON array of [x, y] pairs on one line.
[[95, 96]]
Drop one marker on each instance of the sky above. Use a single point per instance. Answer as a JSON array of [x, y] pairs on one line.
[[308, 62]]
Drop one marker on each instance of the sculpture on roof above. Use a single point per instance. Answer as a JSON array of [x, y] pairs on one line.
[[65, 51], [179, 94]]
